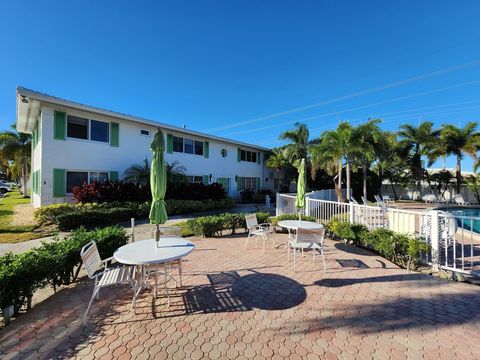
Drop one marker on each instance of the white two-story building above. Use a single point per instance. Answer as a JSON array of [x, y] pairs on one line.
[[75, 143]]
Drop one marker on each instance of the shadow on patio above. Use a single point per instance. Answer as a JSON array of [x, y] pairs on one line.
[[436, 312]]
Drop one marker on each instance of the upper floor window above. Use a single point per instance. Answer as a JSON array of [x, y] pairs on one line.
[[249, 156], [82, 128], [77, 127], [145, 132], [99, 131], [188, 146]]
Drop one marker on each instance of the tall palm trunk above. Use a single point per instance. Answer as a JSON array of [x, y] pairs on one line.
[[365, 168], [380, 179], [24, 177], [459, 174], [349, 196], [340, 174]]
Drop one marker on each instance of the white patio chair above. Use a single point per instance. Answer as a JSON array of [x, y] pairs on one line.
[[258, 230], [307, 240], [459, 200], [104, 276], [364, 200], [353, 200], [168, 232]]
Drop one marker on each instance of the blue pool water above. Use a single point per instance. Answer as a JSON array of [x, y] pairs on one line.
[[467, 224]]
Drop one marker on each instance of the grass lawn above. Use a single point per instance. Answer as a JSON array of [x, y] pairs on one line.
[[10, 233]]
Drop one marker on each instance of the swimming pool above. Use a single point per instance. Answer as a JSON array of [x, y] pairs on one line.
[[467, 224]]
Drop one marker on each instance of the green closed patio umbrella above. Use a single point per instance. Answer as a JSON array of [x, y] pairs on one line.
[[158, 183], [301, 187]]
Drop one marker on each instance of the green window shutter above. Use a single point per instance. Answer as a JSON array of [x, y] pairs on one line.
[[205, 179], [114, 134], [258, 183], [258, 157], [59, 125], [206, 149], [239, 155], [34, 182], [113, 176], [238, 182], [169, 143], [59, 182]]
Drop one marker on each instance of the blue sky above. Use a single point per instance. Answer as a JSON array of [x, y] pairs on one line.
[[227, 67]]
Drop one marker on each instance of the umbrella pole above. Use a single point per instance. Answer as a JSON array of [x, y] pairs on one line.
[[157, 234]]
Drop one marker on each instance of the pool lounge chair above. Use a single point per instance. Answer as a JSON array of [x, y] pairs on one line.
[[430, 199], [379, 200], [388, 200], [459, 200]]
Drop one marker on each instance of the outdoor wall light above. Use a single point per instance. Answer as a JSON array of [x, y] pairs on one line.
[[236, 178], [24, 99], [210, 177]]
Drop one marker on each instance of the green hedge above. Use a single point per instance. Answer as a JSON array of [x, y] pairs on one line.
[[72, 216], [404, 250], [209, 226], [56, 263]]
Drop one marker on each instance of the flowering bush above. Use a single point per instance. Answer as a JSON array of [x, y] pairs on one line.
[[111, 191]]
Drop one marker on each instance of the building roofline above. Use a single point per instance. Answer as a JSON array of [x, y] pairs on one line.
[[35, 96]]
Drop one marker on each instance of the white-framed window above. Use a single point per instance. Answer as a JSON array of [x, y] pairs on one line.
[[187, 146], [194, 179], [144, 132], [78, 178], [247, 183], [87, 129], [250, 156]]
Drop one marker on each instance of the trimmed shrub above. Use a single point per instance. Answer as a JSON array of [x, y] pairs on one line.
[[256, 197], [404, 250], [72, 216], [56, 263], [210, 226]]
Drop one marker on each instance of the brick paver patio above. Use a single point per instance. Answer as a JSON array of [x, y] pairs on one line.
[[237, 304]]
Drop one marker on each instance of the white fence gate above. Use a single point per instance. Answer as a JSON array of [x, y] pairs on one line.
[[454, 244]]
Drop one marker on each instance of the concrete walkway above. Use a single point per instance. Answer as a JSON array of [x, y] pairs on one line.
[[240, 304]]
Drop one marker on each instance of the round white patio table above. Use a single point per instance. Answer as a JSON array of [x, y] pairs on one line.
[[148, 252], [299, 224]]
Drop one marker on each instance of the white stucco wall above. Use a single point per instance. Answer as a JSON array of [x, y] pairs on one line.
[[36, 164], [75, 154]]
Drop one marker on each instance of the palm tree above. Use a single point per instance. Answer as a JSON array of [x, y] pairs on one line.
[[140, 173], [386, 149], [298, 148], [334, 149], [363, 146], [278, 162], [416, 143], [460, 141], [175, 172], [17, 147], [327, 154]]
